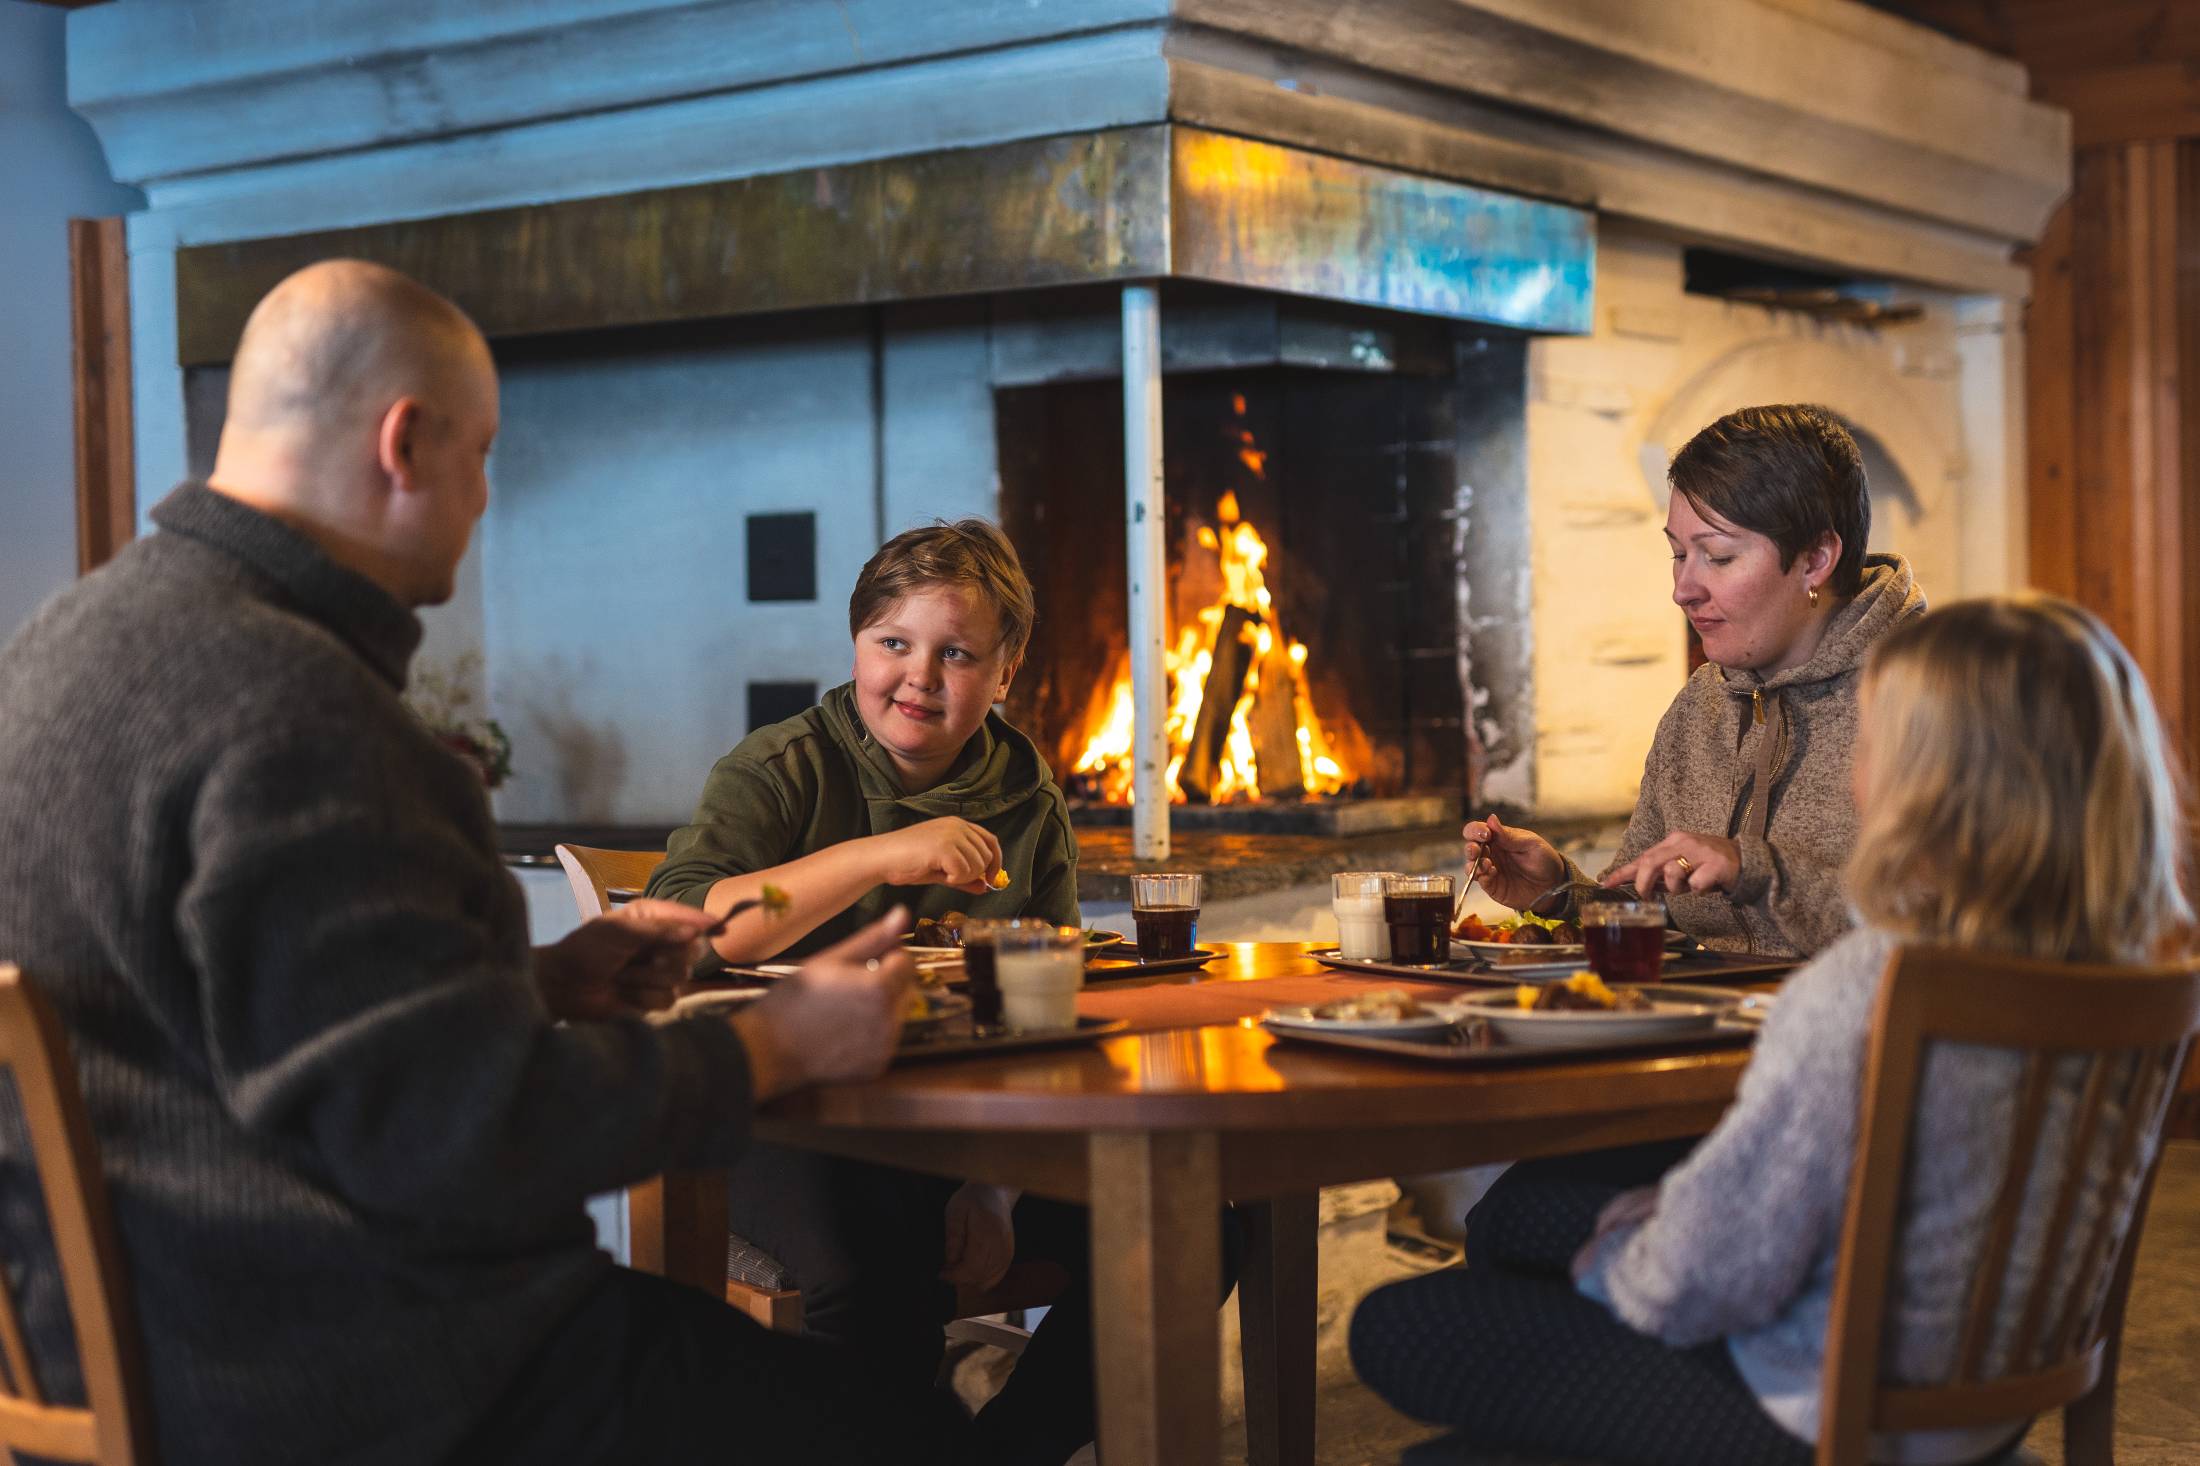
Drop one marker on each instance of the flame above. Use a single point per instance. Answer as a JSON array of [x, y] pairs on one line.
[[1241, 556]]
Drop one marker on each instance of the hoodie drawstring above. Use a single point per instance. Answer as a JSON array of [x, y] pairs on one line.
[[1771, 712]]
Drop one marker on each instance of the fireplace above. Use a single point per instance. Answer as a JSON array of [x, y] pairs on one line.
[[765, 294], [1312, 527]]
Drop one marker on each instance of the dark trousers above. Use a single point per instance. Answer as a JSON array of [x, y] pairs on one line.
[[1538, 1213], [647, 1370], [1508, 1354], [864, 1243], [1524, 1363]]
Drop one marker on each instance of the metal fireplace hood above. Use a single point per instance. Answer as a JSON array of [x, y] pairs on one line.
[[1143, 203]]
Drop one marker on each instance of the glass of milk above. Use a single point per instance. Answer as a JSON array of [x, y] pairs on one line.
[[1356, 899], [1040, 968]]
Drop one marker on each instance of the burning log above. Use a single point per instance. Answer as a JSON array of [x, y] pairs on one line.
[[1274, 724], [1218, 700]]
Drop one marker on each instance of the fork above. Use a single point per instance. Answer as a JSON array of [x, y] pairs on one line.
[[738, 908]]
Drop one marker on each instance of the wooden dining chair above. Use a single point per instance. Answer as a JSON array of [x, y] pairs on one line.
[[2130, 1027], [595, 874], [113, 1427], [676, 1224]]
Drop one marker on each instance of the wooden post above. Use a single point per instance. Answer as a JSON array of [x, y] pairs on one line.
[[1148, 568], [99, 319]]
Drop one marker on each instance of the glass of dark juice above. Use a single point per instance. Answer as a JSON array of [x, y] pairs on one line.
[[1625, 940], [981, 975], [1417, 910], [1166, 911]]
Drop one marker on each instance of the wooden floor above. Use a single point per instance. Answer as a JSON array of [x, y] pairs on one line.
[[2158, 1420]]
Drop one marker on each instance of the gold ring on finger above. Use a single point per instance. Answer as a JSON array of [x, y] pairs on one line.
[[1683, 862]]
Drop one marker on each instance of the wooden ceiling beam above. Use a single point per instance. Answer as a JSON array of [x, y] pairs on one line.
[[2127, 70]]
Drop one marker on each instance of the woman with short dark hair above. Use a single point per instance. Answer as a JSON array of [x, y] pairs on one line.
[[1744, 816]]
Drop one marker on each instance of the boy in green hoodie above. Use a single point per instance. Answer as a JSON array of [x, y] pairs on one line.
[[904, 787]]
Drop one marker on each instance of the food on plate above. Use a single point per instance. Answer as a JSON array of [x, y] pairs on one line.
[[1583, 992], [945, 930], [924, 1003], [1387, 1006], [1525, 929]]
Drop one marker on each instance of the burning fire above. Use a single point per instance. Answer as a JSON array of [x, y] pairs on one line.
[[1191, 658]]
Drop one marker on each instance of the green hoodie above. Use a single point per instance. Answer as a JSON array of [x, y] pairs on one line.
[[819, 778]]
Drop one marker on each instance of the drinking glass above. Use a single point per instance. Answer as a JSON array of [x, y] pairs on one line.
[[1417, 909], [1625, 939], [982, 979], [1166, 910], [1040, 967], [1356, 900]]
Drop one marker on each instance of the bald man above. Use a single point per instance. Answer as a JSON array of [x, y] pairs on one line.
[[348, 1118]]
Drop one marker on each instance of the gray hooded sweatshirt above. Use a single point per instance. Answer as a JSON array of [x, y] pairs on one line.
[[1702, 774]]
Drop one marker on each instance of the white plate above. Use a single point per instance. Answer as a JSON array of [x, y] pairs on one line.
[[1568, 1026], [942, 956], [1300, 1020]]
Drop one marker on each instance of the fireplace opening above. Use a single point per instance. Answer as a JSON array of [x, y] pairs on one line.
[[1313, 529]]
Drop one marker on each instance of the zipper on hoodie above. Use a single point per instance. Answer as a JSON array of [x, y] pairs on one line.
[[1756, 707]]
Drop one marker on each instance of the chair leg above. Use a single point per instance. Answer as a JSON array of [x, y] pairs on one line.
[[2089, 1422]]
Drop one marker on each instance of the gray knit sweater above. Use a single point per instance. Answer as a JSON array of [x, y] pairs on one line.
[[1700, 777], [347, 1147], [1743, 1242]]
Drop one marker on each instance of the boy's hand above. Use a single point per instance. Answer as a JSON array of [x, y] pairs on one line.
[[981, 1236], [942, 852], [633, 959], [838, 1018]]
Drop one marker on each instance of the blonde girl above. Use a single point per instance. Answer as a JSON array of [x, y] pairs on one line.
[[2014, 796]]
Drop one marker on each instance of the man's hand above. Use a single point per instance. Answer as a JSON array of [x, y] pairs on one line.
[[838, 1018], [632, 960], [1683, 862], [981, 1236], [942, 852]]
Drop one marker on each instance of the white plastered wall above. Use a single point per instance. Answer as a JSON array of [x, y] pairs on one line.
[[1938, 397]]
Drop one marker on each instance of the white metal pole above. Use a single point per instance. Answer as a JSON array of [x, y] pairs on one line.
[[1147, 557]]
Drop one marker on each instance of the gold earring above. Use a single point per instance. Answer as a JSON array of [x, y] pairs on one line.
[[1814, 595]]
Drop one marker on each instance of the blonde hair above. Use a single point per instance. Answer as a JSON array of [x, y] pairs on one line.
[[969, 552], [2017, 795]]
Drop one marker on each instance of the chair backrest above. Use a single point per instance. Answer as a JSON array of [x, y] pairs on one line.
[[2130, 1028], [596, 873], [113, 1428]]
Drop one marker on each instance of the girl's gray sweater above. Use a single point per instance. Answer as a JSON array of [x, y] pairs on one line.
[[1743, 1241]]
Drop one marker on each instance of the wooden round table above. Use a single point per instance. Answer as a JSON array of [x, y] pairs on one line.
[[1154, 1130]]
